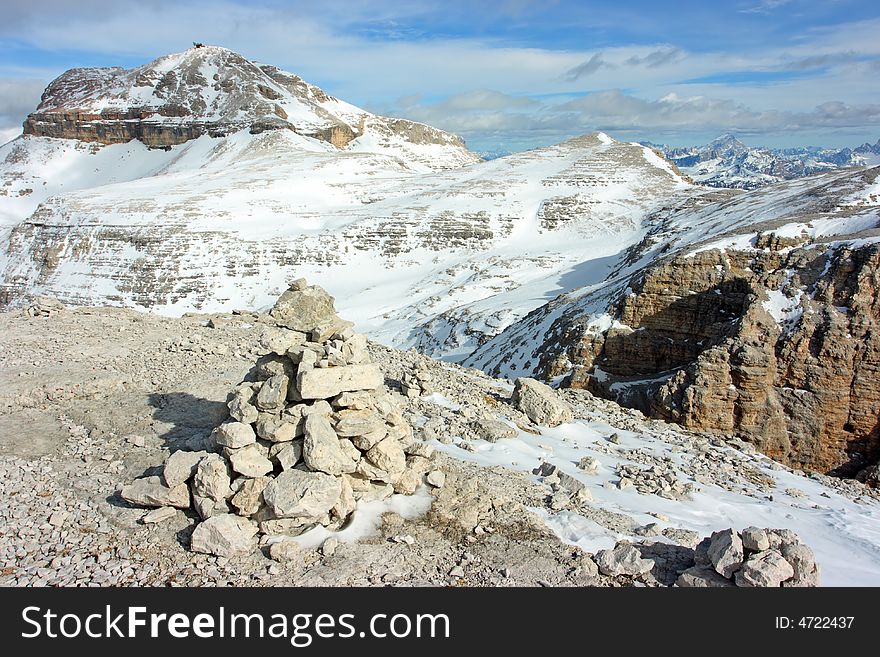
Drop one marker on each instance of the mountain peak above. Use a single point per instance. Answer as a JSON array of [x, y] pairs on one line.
[[725, 139], [210, 90]]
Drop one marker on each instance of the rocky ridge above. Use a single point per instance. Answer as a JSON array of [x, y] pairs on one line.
[[727, 162], [761, 328]]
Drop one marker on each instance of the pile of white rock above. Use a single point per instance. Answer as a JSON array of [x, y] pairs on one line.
[[310, 434], [753, 557]]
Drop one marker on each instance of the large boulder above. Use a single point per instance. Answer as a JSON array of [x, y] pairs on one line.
[[541, 404], [303, 307], [181, 466], [767, 568], [212, 479]]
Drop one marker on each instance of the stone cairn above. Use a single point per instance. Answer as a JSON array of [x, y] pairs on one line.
[[754, 557], [311, 432]]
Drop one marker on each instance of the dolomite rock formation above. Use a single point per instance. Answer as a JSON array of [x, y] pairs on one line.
[[779, 346], [311, 433], [205, 91]]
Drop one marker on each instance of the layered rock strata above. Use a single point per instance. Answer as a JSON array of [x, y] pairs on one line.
[[779, 346]]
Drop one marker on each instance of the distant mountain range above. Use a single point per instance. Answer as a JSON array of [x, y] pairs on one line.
[[727, 162]]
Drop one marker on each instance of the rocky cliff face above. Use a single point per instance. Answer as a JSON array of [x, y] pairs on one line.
[[780, 348], [768, 330]]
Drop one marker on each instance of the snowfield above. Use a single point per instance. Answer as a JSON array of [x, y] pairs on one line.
[[844, 534]]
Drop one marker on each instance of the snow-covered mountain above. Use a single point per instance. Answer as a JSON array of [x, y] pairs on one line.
[[727, 162], [178, 186]]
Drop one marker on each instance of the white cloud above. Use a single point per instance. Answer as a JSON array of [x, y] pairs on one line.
[[18, 97]]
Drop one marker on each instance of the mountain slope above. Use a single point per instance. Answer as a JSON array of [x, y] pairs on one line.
[[439, 260], [754, 316]]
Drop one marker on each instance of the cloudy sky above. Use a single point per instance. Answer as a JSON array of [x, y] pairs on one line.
[[507, 74]]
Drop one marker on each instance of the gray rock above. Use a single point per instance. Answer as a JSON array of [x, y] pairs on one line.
[[328, 328], [407, 483], [304, 308], [152, 491], [545, 469], [234, 435], [346, 502], [250, 462], [181, 466], [767, 568], [368, 470], [541, 404], [320, 407], [687, 538], [278, 340], [299, 494], [569, 483], [269, 366], [249, 497], [289, 455], [387, 455], [323, 383], [780, 537], [224, 535], [366, 441], [492, 430], [206, 507], [358, 423], [212, 478], [321, 449], [358, 401], [242, 405], [279, 429], [755, 539], [273, 393], [161, 514], [803, 562], [726, 552], [624, 559], [701, 553], [285, 551], [701, 577]]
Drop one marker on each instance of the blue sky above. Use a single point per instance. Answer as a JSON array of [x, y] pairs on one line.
[[509, 74]]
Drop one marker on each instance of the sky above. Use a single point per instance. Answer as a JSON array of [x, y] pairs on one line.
[[506, 75]]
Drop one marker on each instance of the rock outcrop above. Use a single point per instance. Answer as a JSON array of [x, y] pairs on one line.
[[308, 435], [779, 346]]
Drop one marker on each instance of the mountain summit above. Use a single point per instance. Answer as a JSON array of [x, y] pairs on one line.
[[215, 91]]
